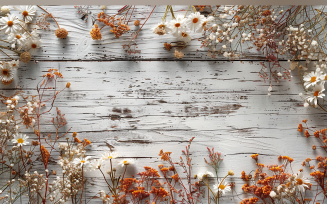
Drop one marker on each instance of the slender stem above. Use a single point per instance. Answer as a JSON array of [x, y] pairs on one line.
[[18, 52], [49, 14]]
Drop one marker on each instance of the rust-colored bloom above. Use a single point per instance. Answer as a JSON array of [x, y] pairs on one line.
[[300, 128], [306, 133], [45, 155], [96, 33], [255, 156], [77, 140], [266, 13]]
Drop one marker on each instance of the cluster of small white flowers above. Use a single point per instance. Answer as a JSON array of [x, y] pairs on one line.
[[30, 107], [296, 183], [181, 27], [35, 181], [299, 42], [314, 83], [70, 183], [8, 125]]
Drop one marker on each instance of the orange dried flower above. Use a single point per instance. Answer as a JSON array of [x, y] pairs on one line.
[[35, 143], [306, 133], [300, 128], [316, 134], [164, 155], [255, 156], [168, 46], [96, 33], [74, 134], [266, 13], [67, 85], [165, 169], [86, 142], [305, 120], [136, 22], [175, 177], [45, 155], [77, 140]]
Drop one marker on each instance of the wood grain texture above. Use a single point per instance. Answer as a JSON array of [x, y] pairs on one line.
[[142, 107], [147, 102], [80, 46]]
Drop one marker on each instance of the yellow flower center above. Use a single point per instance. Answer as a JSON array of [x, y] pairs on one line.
[[25, 13], [316, 93], [313, 79], [10, 23], [299, 181], [83, 161], [222, 187], [195, 20], [5, 72], [18, 36], [184, 34], [33, 45], [110, 157], [125, 162], [177, 25], [20, 140]]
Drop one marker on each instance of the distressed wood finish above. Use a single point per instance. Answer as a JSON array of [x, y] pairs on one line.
[[80, 46], [148, 102]]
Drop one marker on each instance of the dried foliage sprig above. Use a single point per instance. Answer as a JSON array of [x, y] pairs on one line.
[[319, 171]]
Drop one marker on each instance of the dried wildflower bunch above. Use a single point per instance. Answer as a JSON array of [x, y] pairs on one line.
[[275, 184], [318, 171], [19, 37], [118, 24], [19, 152], [43, 23]]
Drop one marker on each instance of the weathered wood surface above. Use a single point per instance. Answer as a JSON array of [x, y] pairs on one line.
[[80, 46], [145, 103], [142, 107]]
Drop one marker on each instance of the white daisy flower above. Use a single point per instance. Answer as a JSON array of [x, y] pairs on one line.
[[32, 44], [222, 187], [6, 71], [177, 24], [14, 64], [109, 155], [126, 162], [204, 175], [16, 39], [82, 161], [300, 182], [96, 164], [312, 78], [10, 24], [206, 24], [20, 139], [183, 36], [33, 35], [194, 21], [28, 12], [316, 93]]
